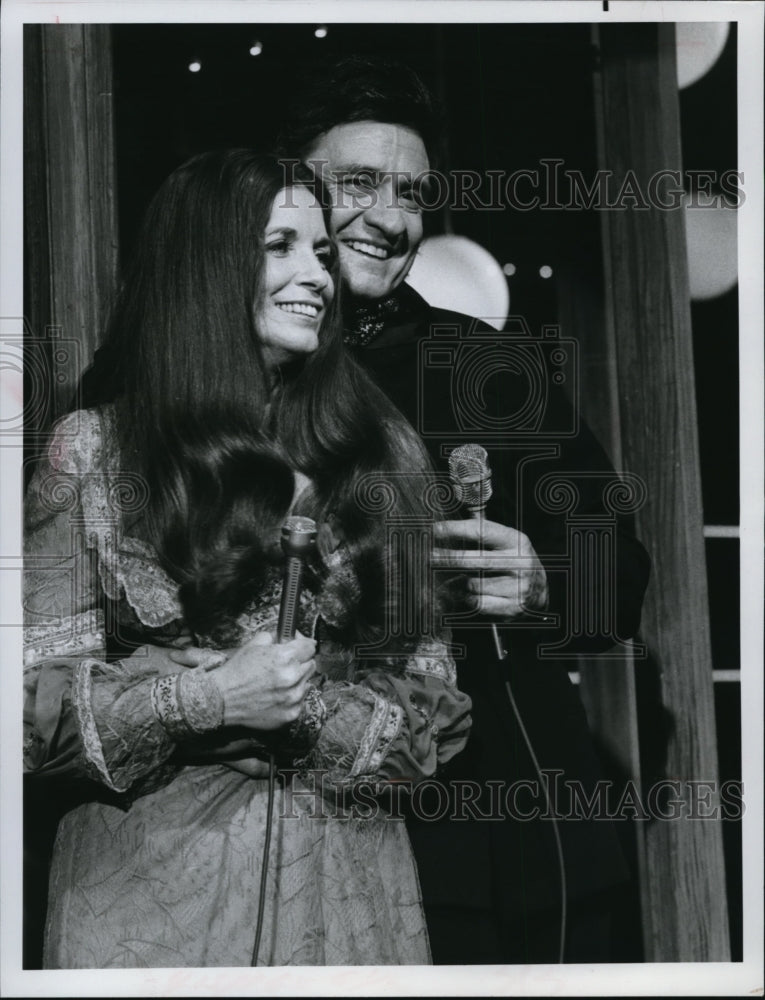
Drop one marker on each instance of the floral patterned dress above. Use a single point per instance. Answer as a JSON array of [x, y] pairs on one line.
[[161, 864]]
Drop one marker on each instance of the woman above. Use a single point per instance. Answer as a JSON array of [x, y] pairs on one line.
[[149, 656]]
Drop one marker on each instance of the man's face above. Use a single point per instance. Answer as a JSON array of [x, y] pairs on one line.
[[371, 170]]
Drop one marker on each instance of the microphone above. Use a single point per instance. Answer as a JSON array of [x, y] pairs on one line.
[[298, 541], [471, 476], [470, 473]]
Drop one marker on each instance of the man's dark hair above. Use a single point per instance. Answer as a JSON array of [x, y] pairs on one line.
[[356, 89]]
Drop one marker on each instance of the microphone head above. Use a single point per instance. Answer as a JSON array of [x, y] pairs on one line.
[[298, 536], [471, 475], [469, 461]]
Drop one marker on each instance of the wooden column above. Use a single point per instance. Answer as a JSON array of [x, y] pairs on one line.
[[70, 267], [648, 326], [69, 207]]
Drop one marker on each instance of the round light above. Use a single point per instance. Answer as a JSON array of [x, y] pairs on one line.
[[256, 49], [712, 236], [321, 31], [453, 272], [509, 270], [699, 45], [195, 67], [545, 271]]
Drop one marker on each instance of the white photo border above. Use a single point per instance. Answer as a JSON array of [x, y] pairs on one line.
[[571, 980]]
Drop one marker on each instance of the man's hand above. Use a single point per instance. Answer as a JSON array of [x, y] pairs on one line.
[[166, 659], [194, 656], [506, 580], [252, 767], [238, 755]]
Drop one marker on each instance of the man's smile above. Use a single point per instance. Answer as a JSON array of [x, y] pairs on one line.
[[370, 249], [380, 226]]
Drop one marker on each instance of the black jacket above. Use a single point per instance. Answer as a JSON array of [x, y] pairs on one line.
[[456, 380]]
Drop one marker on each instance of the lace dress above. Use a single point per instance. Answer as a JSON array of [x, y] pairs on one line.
[[160, 866]]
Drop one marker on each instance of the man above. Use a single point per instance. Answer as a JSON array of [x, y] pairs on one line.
[[501, 881]]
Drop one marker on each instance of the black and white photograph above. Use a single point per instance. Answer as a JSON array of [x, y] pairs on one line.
[[382, 504]]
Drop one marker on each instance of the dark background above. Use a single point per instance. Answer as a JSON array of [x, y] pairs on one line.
[[514, 95]]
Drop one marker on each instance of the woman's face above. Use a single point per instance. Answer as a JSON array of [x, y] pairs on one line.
[[298, 287]]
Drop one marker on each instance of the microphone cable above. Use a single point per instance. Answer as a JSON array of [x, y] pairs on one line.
[[553, 817], [470, 473], [264, 864], [298, 540]]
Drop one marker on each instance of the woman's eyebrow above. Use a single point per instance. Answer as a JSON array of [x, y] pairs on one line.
[[281, 231]]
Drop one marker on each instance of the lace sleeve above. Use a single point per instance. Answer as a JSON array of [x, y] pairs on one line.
[[82, 716], [398, 718]]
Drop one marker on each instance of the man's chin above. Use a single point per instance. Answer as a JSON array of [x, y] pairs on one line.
[[366, 279], [370, 288]]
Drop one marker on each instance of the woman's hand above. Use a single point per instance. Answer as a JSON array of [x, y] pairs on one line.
[[263, 684]]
